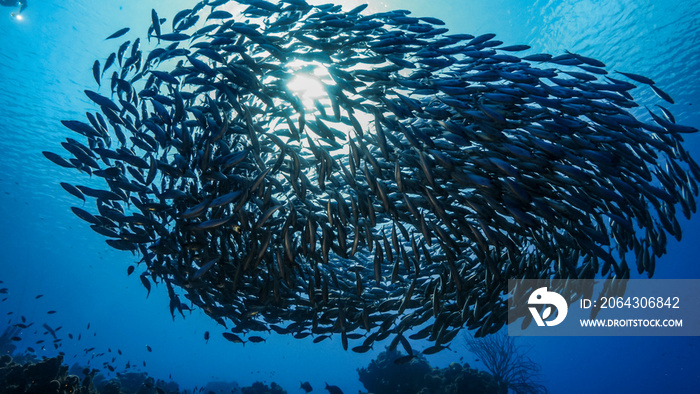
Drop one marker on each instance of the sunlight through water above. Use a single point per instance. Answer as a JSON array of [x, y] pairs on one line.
[[308, 82]]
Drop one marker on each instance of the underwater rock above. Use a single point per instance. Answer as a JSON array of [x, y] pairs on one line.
[[148, 386], [222, 387], [425, 170], [262, 388], [129, 382], [111, 387]]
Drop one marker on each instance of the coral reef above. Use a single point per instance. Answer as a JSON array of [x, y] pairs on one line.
[[221, 388], [385, 376], [46, 377], [390, 373], [52, 376]]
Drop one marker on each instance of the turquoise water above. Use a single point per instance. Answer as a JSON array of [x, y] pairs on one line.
[[45, 63]]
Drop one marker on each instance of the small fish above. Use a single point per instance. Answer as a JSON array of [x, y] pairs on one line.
[[101, 100], [56, 159], [174, 37], [321, 338], [109, 62], [434, 349], [204, 268], [638, 78], [146, 283], [118, 33], [662, 94], [306, 386], [220, 14], [96, 71], [83, 214], [75, 192], [333, 389], [156, 22], [233, 338]]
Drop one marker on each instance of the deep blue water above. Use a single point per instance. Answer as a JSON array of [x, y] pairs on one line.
[[45, 63]]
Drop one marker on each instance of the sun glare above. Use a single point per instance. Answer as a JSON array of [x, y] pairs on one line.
[[307, 87], [308, 81]]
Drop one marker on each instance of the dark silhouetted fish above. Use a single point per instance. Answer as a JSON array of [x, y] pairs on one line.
[[306, 386], [333, 389], [428, 169], [118, 33]]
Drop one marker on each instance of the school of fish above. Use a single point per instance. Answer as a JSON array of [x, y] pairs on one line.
[[433, 168]]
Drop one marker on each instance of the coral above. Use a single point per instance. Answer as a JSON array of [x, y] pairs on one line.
[[52, 376], [131, 382], [385, 376], [222, 387], [167, 387], [7, 347], [111, 387], [508, 363], [147, 387], [47, 376]]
